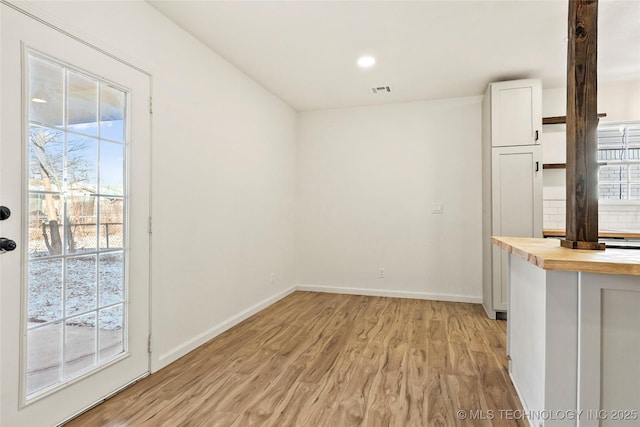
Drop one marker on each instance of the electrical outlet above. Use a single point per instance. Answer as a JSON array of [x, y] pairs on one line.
[[381, 273], [437, 208]]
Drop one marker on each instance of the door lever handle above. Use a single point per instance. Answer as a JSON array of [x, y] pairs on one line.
[[5, 213], [7, 245]]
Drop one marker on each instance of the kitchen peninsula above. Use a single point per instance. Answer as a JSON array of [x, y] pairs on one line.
[[573, 333]]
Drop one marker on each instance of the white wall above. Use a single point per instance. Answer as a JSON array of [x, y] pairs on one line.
[[367, 179], [223, 175], [621, 102], [619, 99]]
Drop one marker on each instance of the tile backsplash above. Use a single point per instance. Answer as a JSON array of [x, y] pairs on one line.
[[554, 214], [612, 216]]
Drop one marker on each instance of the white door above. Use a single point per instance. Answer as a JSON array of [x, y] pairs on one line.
[[74, 172]]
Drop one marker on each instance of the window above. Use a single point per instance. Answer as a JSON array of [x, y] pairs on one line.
[[619, 160], [76, 271]]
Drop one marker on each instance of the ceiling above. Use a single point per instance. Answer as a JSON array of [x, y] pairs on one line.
[[305, 52]]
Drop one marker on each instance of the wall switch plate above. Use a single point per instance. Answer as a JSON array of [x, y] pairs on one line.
[[437, 208]]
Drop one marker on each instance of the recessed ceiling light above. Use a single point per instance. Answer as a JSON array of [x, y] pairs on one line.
[[39, 100], [366, 61]]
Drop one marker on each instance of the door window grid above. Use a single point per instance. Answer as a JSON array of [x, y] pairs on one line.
[[103, 260]]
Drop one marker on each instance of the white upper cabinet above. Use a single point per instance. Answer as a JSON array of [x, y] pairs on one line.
[[516, 112]]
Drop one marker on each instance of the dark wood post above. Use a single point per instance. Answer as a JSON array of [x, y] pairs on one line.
[[582, 124]]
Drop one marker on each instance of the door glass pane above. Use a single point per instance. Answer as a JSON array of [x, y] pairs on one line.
[[82, 164], [111, 168], [111, 332], [80, 343], [46, 83], [111, 286], [111, 113], [111, 222], [44, 356], [81, 291], [82, 217], [76, 281], [45, 291], [82, 111], [46, 236], [46, 158]]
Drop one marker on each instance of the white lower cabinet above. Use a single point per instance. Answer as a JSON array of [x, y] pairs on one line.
[[573, 341]]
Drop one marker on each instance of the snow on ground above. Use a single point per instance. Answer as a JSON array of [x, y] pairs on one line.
[[46, 291]]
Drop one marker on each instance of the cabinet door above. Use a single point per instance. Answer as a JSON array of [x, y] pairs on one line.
[[516, 205], [516, 112], [608, 346]]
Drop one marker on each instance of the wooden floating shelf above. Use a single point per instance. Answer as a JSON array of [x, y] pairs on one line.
[[554, 166], [601, 233], [557, 120]]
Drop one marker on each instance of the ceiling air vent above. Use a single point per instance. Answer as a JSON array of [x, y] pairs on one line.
[[380, 89]]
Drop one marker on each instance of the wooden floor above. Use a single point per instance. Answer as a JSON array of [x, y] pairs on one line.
[[315, 359]]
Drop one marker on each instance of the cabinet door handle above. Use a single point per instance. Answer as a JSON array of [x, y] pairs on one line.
[[537, 136], [537, 166]]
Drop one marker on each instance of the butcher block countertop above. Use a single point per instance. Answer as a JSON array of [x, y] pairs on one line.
[[548, 254]]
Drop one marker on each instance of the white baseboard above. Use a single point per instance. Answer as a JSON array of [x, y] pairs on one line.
[[391, 293], [490, 313], [195, 342], [525, 408]]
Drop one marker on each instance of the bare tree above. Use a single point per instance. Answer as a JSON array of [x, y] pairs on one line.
[[49, 161]]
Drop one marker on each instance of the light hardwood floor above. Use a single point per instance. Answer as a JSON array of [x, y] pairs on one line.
[[315, 359]]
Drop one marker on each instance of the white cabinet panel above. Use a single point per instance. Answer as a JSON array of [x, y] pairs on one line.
[[620, 345], [516, 111], [516, 205], [517, 186], [608, 349]]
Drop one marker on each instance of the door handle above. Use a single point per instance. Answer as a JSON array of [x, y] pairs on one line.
[[7, 245], [5, 213]]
